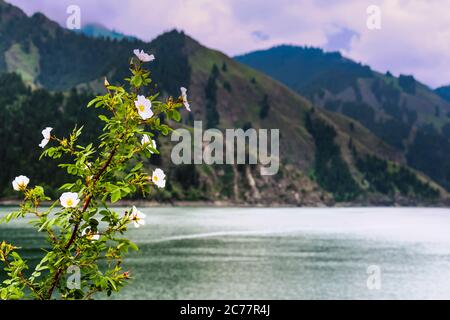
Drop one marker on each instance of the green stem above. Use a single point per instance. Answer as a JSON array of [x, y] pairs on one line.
[[77, 225]]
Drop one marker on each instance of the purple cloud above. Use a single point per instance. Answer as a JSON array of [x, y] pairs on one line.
[[340, 41], [261, 36]]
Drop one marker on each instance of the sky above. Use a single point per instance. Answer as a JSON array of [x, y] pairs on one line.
[[413, 38]]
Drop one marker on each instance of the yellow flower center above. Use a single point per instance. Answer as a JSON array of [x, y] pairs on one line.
[[69, 202], [141, 108], [155, 179]]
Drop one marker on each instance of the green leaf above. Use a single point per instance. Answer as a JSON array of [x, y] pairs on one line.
[[104, 213], [103, 118], [116, 196], [133, 246], [93, 101], [137, 167], [176, 115]]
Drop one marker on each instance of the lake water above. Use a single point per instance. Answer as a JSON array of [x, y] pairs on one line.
[[298, 253]]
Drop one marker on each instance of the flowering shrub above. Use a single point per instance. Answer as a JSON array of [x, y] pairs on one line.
[[80, 228]]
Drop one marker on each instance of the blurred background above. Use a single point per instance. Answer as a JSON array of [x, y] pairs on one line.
[[356, 87]]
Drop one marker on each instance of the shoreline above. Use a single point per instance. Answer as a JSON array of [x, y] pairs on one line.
[[231, 204]]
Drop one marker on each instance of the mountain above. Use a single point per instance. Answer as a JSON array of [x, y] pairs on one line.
[[443, 92], [96, 30], [302, 68], [401, 111], [49, 74]]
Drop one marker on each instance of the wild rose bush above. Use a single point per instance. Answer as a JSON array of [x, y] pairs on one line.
[[80, 228]]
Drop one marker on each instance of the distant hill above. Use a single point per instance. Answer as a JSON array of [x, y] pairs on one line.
[[325, 156], [401, 111], [96, 30], [305, 68], [443, 92]]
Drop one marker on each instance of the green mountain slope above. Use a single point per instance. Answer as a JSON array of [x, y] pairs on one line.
[[401, 111], [323, 154]]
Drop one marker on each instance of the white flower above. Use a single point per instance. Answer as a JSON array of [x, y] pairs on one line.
[[94, 237], [146, 141], [185, 99], [137, 217], [69, 199], [159, 178], [144, 107], [144, 57], [90, 235], [46, 134], [88, 165], [20, 183]]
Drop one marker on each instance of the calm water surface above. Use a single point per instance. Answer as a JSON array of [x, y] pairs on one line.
[[225, 253]]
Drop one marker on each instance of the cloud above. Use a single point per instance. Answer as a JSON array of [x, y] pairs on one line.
[[261, 36], [414, 37], [341, 40]]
